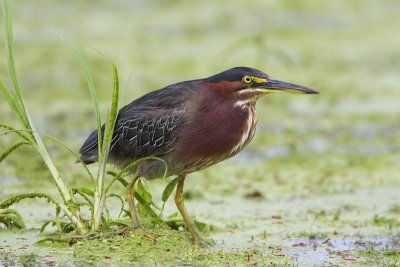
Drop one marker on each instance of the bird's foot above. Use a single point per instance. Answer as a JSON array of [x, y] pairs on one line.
[[92, 236], [197, 241], [135, 228]]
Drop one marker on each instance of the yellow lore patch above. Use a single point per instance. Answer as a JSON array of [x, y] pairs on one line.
[[258, 80]]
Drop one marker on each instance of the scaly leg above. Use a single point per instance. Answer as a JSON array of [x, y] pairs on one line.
[[131, 202], [179, 201], [130, 197]]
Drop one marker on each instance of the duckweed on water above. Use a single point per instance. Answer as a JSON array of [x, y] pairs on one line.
[[172, 247], [388, 257]]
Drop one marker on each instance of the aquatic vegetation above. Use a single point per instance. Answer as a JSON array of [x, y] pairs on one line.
[[11, 219], [172, 248], [93, 198]]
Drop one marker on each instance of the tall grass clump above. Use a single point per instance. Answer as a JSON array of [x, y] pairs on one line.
[[28, 132], [72, 199], [31, 137]]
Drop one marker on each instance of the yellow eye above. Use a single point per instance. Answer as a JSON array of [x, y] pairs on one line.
[[247, 79]]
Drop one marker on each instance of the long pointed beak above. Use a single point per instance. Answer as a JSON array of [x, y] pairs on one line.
[[274, 86]]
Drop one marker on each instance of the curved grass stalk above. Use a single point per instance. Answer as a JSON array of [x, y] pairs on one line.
[[76, 156], [17, 198], [84, 195], [80, 192], [54, 222], [140, 188], [41, 149], [11, 149], [122, 203], [130, 166], [16, 131], [147, 208], [46, 157], [117, 177], [139, 197], [11, 218], [20, 133], [68, 208]]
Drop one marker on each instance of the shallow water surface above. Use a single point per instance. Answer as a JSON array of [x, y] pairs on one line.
[[301, 229]]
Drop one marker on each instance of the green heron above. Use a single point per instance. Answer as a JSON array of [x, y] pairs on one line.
[[191, 125]]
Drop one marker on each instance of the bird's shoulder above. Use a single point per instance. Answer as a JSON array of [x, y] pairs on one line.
[[146, 126], [169, 97]]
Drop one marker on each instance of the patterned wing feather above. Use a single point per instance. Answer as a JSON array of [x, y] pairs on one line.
[[135, 138], [145, 127]]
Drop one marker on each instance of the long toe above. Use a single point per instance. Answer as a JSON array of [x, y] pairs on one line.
[[147, 234], [196, 238], [198, 242], [128, 229]]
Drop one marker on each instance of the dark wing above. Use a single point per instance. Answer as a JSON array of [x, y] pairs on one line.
[[145, 127], [135, 138]]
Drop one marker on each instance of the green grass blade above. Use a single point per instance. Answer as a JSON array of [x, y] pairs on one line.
[[11, 149], [169, 189], [10, 59], [92, 90], [122, 203], [167, 193], [109, 127], [118, 176], [108, 134], [40, 147], [76, 156], [84, 193], [11, 218], [18, 132], [14, 105], [29, 141], [84, 190], [147, 208], [62, 188], [144, 192], [54, 222], [17, 198]]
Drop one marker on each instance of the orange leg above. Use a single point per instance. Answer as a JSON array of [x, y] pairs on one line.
[[180, 204], [132, 207], [131, 202]]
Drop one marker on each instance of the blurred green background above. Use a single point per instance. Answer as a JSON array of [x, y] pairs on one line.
[[339, 142]]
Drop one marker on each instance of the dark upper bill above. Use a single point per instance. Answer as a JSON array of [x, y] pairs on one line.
[[272, 86]]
